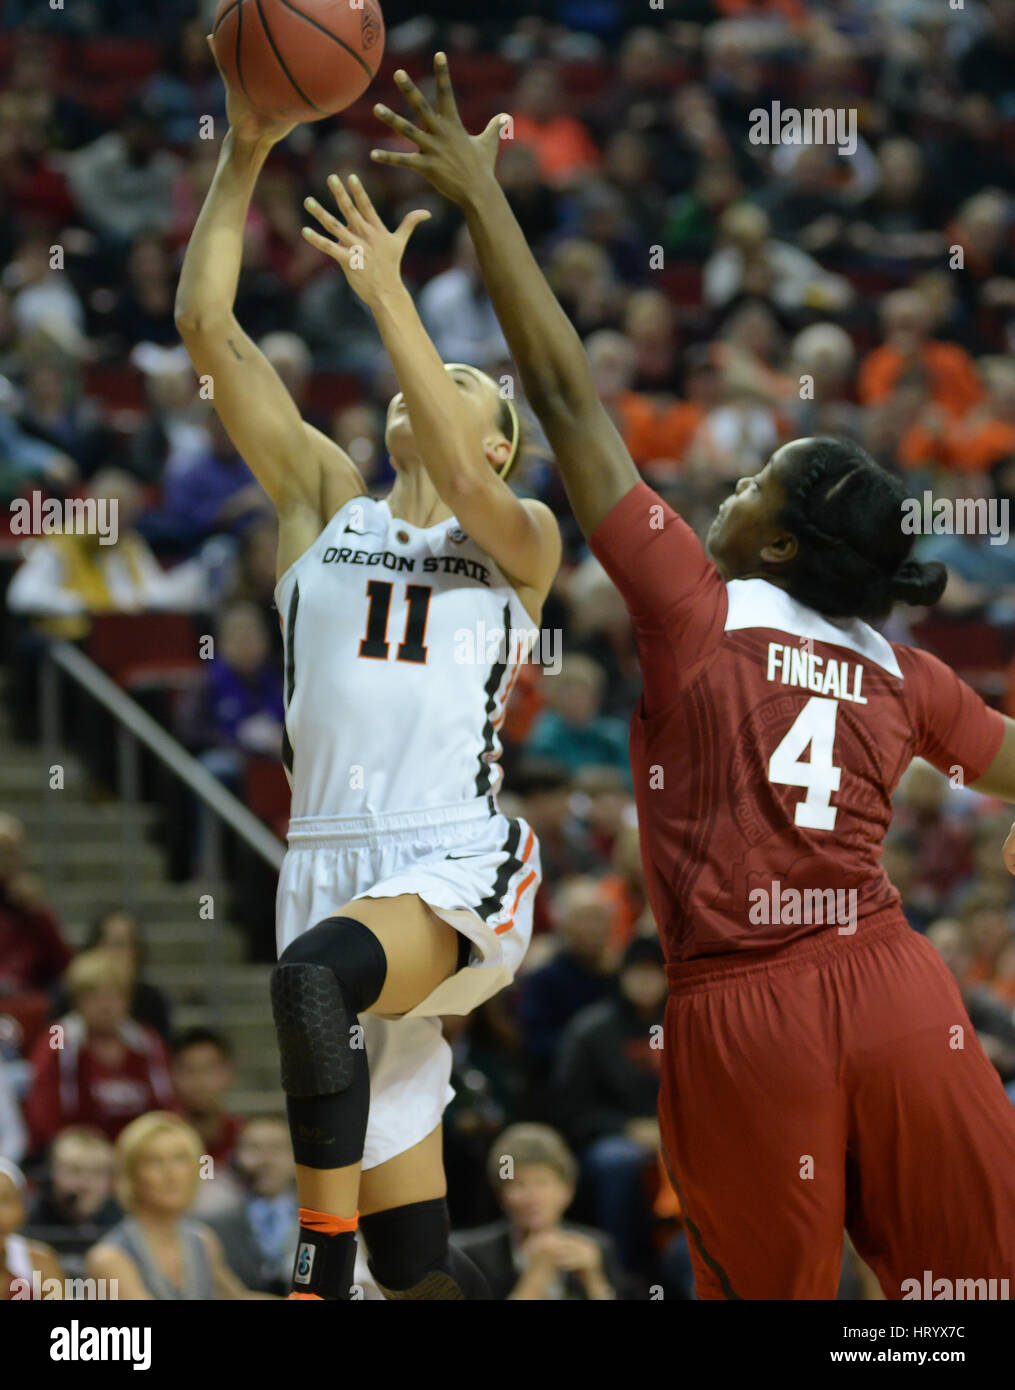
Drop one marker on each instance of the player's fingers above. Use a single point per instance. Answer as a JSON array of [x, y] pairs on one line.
[[400, 125], [398, 159], [410, 222], [340, 193], [362, 200], [446, 104], [491, 135], [211, 45], [329, 221], [323, 243], [416, 99]]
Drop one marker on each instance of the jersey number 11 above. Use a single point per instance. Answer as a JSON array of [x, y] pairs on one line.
[[412, 646]]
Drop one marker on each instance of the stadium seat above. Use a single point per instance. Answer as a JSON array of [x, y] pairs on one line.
[[145, 648], [266, 793], [107, 58]]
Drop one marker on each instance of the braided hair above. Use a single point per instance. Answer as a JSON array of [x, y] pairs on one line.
[[846, 514]]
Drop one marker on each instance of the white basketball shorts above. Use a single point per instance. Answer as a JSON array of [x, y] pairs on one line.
[[477, 870]]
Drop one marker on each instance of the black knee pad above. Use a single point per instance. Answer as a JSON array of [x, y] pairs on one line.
[[323, 980], [411, 1259]]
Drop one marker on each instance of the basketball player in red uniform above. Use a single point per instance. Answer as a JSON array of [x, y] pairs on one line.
[[819, 1071]]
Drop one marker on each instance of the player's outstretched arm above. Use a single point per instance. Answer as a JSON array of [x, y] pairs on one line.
[[290, 460], [521, 536], [596, 467]]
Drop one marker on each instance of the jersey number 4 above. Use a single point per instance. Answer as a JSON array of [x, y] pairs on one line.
[[814, 725], [412, 646]]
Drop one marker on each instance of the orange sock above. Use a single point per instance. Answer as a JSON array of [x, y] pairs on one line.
[[326, 1223]]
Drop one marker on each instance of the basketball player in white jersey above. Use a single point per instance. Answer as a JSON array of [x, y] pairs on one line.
[[404, 894]]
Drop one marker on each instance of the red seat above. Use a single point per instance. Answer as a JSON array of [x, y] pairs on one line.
[[266, 793], [328, 391], [142, 648], [682, 282], [118, 58], [119, 388]]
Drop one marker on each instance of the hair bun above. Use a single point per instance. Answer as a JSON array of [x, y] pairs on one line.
[[920, 584]]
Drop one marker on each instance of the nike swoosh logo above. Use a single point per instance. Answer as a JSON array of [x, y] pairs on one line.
[[351, 530], [459, 856]]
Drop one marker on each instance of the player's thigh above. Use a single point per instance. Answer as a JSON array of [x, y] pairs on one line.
[[417, 1175], [932, 1143], [421, 949], [754, 1126]]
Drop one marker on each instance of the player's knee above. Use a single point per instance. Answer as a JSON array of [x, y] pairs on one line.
[[411, 1257], [350, 951], [321, 982]]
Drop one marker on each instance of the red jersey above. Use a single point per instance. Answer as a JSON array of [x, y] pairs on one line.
[[72, 1086], [767, 743]]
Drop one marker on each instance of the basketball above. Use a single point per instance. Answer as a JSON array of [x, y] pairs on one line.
[[300, 61]]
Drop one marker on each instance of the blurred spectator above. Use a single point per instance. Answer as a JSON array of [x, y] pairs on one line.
[[33, 952], [624, 888], [605, 1085], [565, 848], [75, 1203], [56, 410], [533, 1254], [457, 312], [24, 458], [96, 1066], [44, 298], [173, 430], [993, 1018], [68, 577], [259, 1233], [143, 309], [123, 181], [822, 359], [203, 1075], [562, 143], [748, 260], [577, 975], [188, 88], [572, 730], [13, 1133], [238, 707], [23, 1263], [213, 492], [906, 319], [119, 931], [157, 1251], [943, 849]]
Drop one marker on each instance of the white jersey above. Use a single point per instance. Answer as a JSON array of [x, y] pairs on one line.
[[401, 648]]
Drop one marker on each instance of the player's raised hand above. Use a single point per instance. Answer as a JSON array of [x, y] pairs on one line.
[[245, 121], [369, 254], [455, 162]]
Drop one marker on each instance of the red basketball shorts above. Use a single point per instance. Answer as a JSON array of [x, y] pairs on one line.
[[834, 1084]]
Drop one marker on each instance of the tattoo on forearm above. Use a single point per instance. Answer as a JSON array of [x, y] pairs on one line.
[[236, 354]]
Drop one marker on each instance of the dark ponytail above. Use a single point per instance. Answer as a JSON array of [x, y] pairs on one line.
[[846, 514], [920, 584]]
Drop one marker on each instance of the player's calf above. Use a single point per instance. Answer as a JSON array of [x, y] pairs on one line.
[[411, 1258]]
